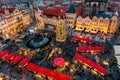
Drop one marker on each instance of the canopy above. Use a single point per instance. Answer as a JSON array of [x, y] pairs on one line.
[[2, 54], [117, 53], [16, 59], [80, 38], [47, 72], [9, 56], [90, 48], [77, 38], [90, 63], [81, 48], [59, 61], [24, 62]]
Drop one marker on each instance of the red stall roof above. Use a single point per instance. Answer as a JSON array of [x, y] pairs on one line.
[[24, 62], [77, 37], [81, 48], [99, 48], [17, 59], [2, 54], [90, 48], [47, 72], [9, 56], [90, 63], [80, 38]]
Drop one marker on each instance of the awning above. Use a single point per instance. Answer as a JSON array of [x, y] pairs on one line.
[[16, 59], [24, 62], [80, 38], [2, 54], [90, 48], [90, 63], [77, 38], [101, 48], [9, 56], [81, 48], [47, 72], [99, 68]]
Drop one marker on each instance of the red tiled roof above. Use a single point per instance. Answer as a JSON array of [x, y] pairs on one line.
[[55, 11], [78, 11], [2, 11], [11, 9], [119, 13]]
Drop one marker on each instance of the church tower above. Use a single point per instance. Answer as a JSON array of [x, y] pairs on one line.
[[61, 31], [94, 6]]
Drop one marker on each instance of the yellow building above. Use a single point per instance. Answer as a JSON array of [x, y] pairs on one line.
[[83, 23], [96, 24], [14, 20], [61, 31], [99, 24], [113, 25]]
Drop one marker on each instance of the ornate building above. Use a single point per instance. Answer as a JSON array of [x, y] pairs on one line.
[[83, 23], [72, 14], [94, 6], [50, 19], [71, 18], [114, 23], [61, 31], [13, 20], [104, 24], [99, 24]]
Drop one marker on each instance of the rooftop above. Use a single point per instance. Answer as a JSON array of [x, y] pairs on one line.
[[72, 8], [105, 15], [57, 10]]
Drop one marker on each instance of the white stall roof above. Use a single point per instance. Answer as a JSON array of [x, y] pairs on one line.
[[117, 53]]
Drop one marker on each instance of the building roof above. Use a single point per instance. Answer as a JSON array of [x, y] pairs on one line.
[[78, 11], [119, 13], [105, 15], [2, 11], [58, 11], [11, 9], [72, 8], [96, 0]]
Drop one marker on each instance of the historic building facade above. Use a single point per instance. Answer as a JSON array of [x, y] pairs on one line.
[[13, 20], [94, 6], [50, 16], [114, 24], [104, 25], [83, 23], [71, 18]]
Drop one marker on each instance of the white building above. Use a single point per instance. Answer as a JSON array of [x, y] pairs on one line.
[[117, 53], [71, 18], [71, 15]]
